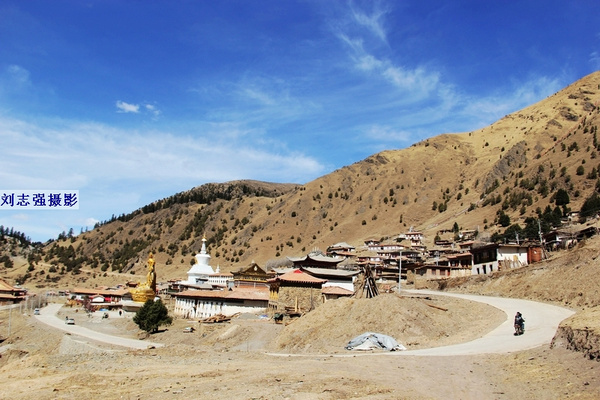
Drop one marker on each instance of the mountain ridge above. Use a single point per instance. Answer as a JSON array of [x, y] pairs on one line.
[[514, 166]]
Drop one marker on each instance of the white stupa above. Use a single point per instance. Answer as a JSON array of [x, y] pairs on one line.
[[200, 271]]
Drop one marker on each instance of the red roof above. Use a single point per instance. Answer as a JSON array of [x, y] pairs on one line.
[[100, 291], [297, 276]]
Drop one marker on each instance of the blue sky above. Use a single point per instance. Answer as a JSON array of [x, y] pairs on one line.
[[132, 101]]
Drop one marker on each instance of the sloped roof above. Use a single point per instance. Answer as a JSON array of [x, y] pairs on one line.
[[7, 289], [341, 245], [297, 276], [317, 257], [100, 291], [459, 255], [337, 291], [253, 269], [330, 272], [238, 294]]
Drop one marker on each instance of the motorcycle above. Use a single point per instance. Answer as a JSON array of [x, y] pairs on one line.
[[519, 328]]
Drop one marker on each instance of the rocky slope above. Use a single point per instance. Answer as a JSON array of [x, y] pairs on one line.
[[514, 166]]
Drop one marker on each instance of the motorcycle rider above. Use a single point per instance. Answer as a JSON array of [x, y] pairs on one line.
[[519, 324]]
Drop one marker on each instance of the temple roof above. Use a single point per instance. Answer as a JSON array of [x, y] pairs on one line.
[[330, 272], [238, 294], [297, 276], [316, 257]]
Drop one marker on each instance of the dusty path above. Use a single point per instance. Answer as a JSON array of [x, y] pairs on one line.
[[541, 322], [48, 316]]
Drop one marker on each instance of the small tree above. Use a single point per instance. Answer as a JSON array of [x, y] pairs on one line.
[[152, 315], [562, 197], [590, 206], [503, 219]]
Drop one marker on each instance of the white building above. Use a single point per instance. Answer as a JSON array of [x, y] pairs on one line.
[[201, 270], [206, 303]]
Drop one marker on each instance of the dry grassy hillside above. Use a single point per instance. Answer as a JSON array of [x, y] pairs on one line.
[[516, 165]]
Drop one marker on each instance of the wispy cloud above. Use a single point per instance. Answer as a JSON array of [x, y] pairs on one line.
[[14, 79], [69, 155], [416, 81], [388, 134], [595, 59], [116, 169], [123, 107], [151, 109], [522, 93], [373, 22], [18, 75]]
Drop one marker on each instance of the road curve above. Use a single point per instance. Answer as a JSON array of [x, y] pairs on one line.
[[48, 316], [541, 322]]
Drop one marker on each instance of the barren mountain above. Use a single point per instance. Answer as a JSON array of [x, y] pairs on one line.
[[514, 167]]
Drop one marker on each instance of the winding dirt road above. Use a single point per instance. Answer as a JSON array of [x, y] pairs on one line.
[[541, 323], [48, 316]]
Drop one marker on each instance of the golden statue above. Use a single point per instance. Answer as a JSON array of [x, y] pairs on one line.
[[146, 291], [151, 277]]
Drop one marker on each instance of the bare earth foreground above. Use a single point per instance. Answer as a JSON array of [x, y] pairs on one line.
[[235, 361]]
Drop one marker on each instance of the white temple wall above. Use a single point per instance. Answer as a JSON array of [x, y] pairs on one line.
[[200, 309]]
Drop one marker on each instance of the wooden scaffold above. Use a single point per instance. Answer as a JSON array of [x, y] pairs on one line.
[[367, 287]]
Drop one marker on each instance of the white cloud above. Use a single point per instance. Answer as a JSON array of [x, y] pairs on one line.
[[373, 22], [595, 60], [90, 221], [521, 94], [117, 170], [78, 155], [387, 134], [152, 110], [18, 75], [420, 81], [123, 107]]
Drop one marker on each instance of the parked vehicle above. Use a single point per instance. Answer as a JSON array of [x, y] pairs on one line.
[[36, 311], [70, 321]]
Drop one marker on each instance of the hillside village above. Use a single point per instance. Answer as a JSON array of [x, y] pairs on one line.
[[509, 210], [296, 285], [453, 205]]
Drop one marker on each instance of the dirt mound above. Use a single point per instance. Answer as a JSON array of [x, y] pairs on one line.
[[581, 333], [415, 322]]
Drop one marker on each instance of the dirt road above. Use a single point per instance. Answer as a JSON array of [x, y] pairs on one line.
[[194, 366], [48, 316], [541, 322]]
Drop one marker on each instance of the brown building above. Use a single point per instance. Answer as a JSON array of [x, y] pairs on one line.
[[10, 294], [316, 261], [251, 275]]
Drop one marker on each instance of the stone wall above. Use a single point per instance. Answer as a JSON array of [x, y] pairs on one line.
[[308, 298]]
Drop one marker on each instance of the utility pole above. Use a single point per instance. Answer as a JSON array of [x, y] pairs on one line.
[[400, 272], [544, 256]]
